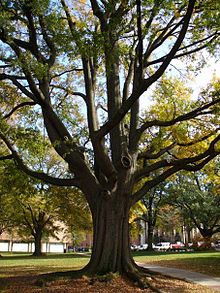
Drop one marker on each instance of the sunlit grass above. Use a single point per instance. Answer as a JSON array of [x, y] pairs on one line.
[[203, 262], [24, 264]]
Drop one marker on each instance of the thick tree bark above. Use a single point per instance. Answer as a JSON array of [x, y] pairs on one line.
[[111, 251], [111, 244], [37, 243]]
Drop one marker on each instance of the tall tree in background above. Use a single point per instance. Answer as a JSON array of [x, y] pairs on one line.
[[6, 207], [36, 218], [108, 53], [27, 207], [73, 210], [199, 200], [152, 202]]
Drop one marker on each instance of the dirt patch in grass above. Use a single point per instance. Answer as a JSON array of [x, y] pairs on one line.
[[37, 284]]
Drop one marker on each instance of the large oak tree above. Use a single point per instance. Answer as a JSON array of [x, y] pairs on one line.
[[108, 53]]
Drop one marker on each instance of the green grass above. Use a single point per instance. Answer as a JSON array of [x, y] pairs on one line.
[[203, 262], [24, 264]]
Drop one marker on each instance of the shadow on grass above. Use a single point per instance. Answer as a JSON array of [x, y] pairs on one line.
[[38, 280], [38, 276]]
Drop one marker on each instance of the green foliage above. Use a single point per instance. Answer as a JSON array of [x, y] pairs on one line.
[[73, 210], [197, 199]]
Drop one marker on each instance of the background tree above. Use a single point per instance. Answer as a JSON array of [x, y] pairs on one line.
[[135, 226], [108, 53], [152, 201], [28, 208], [6, 207], [74, 212], [198, 201], [37, 217], [169, 223]]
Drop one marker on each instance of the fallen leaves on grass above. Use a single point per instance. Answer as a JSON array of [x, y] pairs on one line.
[[84, 285]]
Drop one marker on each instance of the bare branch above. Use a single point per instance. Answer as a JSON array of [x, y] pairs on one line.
[[66, 71], [194, 163], [176, 46], [48, 41], [15, 81], [199, 139], [153, 182], [204, 43], [18, 107], [70, 92], [140, 39], [128, 79], [7, 157], [166, 32], [149, 155], [98, 12]]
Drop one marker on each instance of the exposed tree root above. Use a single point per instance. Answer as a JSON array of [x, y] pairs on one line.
[[148, 271], [141, 280], [138, 275]]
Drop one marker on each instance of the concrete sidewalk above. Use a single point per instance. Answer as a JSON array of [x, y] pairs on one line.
[[198, 278]]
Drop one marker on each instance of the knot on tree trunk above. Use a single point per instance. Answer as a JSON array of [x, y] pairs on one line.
[[126, 161], [106, 194]]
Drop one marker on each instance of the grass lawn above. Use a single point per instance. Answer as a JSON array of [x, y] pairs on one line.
[[203, 262], [20, 273], [17, 264]]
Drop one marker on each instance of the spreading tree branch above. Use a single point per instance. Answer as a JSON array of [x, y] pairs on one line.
[[183, 117], [18, 107], [194, 163], [38, 175], [145, 84]]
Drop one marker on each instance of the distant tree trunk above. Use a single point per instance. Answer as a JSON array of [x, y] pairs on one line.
[[150, 238], [188, 229], [151, 224], [207, 235], [37, 242]]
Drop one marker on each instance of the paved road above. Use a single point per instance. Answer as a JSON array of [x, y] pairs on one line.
[[198, 278]]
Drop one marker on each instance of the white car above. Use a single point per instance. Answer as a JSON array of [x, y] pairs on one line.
[[142, 246], [162, 246]]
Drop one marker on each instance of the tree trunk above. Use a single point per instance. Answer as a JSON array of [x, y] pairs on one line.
[[150, 237], [111, 251], [37, 242], [188, 230], [151, 221], [111, 244], [207, 236]]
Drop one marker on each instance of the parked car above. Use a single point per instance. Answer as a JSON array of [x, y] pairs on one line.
[[162, 246], [134, 247], [143, 246], [139, 247], [217, 245], [177, 245]]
